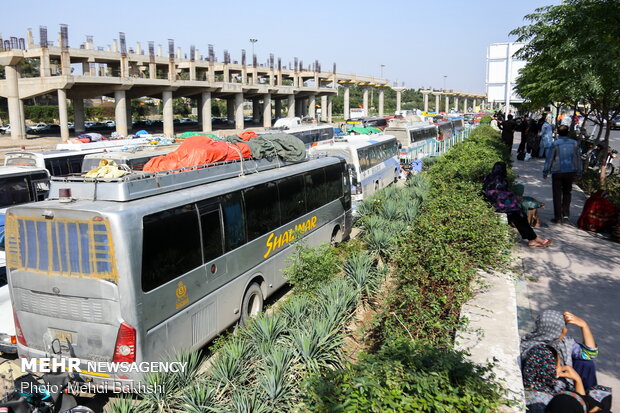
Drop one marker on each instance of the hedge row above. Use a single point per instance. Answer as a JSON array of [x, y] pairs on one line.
[[412, 366]]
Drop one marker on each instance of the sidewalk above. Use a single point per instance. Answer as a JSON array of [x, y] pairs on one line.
[[579, 273]]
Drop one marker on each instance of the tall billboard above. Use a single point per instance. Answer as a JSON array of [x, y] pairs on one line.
[[502, 72]]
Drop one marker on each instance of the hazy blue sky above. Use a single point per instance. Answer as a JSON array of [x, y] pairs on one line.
[[417, 41]]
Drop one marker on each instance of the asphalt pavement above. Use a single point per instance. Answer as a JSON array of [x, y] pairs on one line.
[[579, 272]]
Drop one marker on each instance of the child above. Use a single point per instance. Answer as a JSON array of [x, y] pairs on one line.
[[530, 206]]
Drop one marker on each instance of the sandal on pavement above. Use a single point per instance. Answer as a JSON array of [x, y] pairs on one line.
[[543, 244]]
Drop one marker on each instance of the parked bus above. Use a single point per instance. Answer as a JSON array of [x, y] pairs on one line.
[[57, 162], [365, 122], [308, 133], [373, 161], [20, 185], [171, 267], [408, 133]]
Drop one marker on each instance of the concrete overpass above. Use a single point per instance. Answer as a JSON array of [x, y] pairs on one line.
[[457, 97], [89, 72]]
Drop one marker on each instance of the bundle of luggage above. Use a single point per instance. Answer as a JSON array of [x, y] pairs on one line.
[[201, 150], [599, 213]]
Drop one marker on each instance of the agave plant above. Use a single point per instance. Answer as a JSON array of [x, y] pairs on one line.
[[295, 310], [359, 269], [199, 398], [244, 401], [317, 345], [380, 240], [274, 378], [124, 404], [265, 329], [230, 362]]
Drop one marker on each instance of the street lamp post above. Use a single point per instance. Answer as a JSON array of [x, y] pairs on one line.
[[382, 66], [444, 82], [253, 41]]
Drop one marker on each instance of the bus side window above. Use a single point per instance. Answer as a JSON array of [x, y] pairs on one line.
[[291, 191], [315, 189], [234, 221], [261, 204], [211, 227], [333, 179], [170, 245], [75, 164]]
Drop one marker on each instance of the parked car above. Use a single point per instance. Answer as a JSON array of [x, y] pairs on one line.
[[615, 122], [51, 128], [109, 123], [38, 126]]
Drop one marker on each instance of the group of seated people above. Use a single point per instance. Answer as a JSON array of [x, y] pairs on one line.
[[558, 372], [520, 211]]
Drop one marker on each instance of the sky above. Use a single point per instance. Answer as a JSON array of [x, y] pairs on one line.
[[418, 42]]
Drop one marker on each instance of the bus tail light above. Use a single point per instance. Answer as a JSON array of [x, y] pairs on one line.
[[125, 347], [18, 331]]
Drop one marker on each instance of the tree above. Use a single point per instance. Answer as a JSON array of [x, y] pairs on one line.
[[573, 56]]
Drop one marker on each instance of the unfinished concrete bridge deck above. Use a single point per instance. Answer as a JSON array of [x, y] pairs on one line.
[[122, 73]]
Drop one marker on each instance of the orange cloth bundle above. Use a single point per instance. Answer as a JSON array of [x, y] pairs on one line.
[[198, 150]]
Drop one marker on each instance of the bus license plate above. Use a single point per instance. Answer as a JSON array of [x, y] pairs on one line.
[[64, 336]]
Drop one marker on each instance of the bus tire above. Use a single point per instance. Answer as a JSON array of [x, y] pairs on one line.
[[336, 236], [252, 304]]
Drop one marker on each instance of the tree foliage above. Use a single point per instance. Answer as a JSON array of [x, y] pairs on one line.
[[573, 56]]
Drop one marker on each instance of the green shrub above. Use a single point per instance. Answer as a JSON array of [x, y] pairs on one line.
[[404, 378], [309, 268], [485, 120]]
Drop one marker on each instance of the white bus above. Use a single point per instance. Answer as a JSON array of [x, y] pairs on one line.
[[134, 160], [134, 268], [372, 159], [57, 162]]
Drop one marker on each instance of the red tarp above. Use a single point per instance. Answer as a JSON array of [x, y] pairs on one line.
[[247, 135], [198, 150]]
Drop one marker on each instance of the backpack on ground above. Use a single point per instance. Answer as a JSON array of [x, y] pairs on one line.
[[520, 156]]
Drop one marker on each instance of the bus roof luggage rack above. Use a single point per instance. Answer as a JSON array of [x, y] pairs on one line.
[[142, 184]]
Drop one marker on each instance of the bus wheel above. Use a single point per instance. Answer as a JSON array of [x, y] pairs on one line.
[[252, 304]]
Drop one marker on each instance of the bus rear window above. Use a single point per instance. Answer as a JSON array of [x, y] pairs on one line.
[[61, 246]]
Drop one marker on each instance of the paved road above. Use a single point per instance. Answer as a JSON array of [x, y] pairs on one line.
[[579, 273]]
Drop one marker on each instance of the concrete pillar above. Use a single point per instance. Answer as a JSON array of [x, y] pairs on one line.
[[45, 63], [168, 112], [465, 105], [205, 110], [22, 115], [456, 103], [425, 94], [475, 104], [120, 112], [365, 101], [267, 110], [447, 104], [347, 107], [312, 106], [398, 100], [192, 70], [128, 114], [278, 108], [291, 106], [239, 111], [230, 109], [437, 102], [16, 117], [78, 115], [255, 110], [324, 108], [381, 101], [330, 105], [63, 115], [152, 71]]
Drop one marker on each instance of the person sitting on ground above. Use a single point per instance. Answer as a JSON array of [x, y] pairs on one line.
[[547, 382], [551, 329], [499, 194], [530, 206]]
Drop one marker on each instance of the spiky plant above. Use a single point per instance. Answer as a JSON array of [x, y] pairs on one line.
[[243, 401], [295, 310], [317, 345], [198, 398], [336, 301], [125, 404], [230, 362], [274, 378], [265, 330], [380, 240], [359, 269]]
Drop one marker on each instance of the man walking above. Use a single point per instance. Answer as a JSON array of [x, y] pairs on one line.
[[508, 131], [564, 163]]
